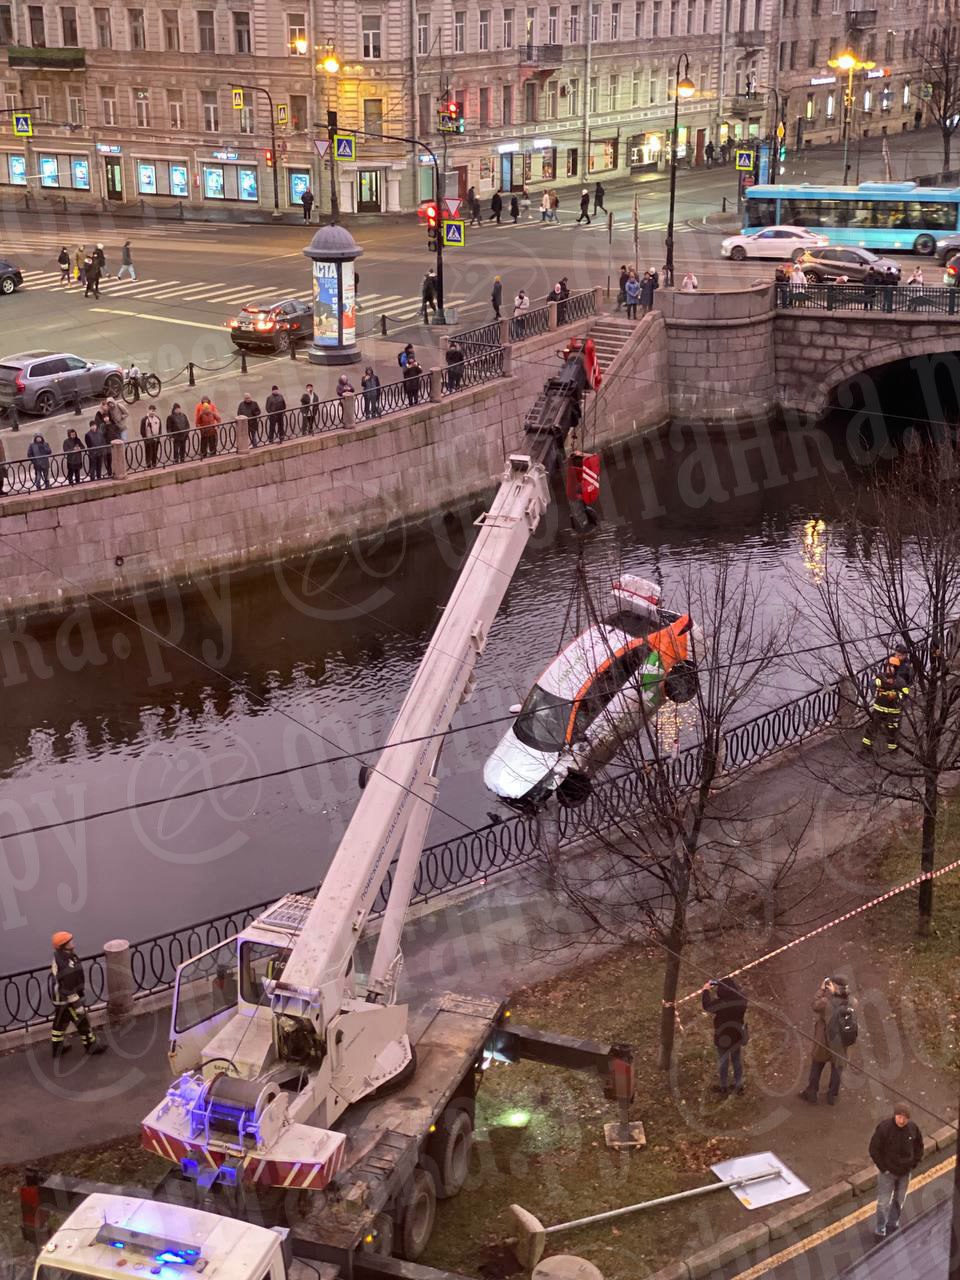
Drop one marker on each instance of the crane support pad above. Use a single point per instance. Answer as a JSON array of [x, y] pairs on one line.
[[515, 1042]]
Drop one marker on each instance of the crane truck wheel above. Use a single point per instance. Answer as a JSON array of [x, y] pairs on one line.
[[380, 1238], [419, 1215], [448, 1152]]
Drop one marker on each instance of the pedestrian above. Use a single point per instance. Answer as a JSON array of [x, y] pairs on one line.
[[69, 989], [63, 262], [648, 287], [584, 206], [726, 1003], [525, 204], [309, 410], [307, 201], [3, 466], [918, 117], [564, 295], [117, 415], [406, 355], [250, 410], [496, 297], [91, 276], [709, 152], [622, 286], [455, 361], [344, 387], [371, 393], [724, 152], [917, 277], [515, 209], [473, 204], [100, 258], [39, 454], [207, 418], [631, 291], [521, 305], [496, 206], [151, 429], [412, 372], [428, 295], [133, 373], [73, 453], [798, 286], [554, 207], [178, 429], [871, 279], [276, 407], [689, 283], [80, 259], [835, 1030], [896, 1148], [126, 261], [890, 687], [96, 443], [545, 207], [598, 194]]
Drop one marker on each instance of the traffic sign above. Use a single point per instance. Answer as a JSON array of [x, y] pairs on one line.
[[281, 113], [22, 124], [344, 146], [322, 146], [451, 206], [237, 99], [454, 235], [744, 160], [780, 131]]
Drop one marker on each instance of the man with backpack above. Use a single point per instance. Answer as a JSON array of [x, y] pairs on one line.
[[726, 1003], [835, 1031], [896, 1148]]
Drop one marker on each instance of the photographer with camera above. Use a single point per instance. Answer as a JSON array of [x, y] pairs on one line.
[[834, 1032]]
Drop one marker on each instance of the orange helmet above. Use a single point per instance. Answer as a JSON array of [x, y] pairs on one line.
[[61, 939]]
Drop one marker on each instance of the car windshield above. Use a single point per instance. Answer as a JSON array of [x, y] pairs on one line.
[[542, 722]]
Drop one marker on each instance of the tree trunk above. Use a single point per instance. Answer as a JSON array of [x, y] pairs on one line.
[[928, 848], [671, 981], [947, 140]]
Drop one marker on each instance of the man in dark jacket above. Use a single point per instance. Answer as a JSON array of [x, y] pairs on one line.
[[92, 278], [598, 194], [496, 297], [276, 408], [896, 1148], [96, 443], [496, 207], [428, 295], [727, 1005], [249, 409], [455, 359], [39, 454], [68, 992], [309, 409], [584, 206], [622, 286], [178, 429], [73, 452]]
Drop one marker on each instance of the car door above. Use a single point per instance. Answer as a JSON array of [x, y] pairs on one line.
[[766, 244], [47, 375], [204, 999], [77, 379], [290, 316]]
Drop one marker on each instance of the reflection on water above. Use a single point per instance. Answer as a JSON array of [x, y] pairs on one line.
[[99, 713]]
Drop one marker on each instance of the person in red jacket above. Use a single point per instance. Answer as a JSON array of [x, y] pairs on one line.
[[207, 419]]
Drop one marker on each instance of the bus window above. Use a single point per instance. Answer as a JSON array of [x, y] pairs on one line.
[[761, 213]]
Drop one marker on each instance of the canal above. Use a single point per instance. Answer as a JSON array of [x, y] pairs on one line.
[[310, 660]]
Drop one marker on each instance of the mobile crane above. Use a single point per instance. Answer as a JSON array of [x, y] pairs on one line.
[[293, 1072]]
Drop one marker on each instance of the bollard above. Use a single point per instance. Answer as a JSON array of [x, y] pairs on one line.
[[118, 457], [723, 207], [551, 315], [348, 411], [117, 956], [436, 385], [77, 410], [507, 357], [14, 419], [504, 330], [191, 376], [243, 362], [243, 435], [383, 324], [293, 349]]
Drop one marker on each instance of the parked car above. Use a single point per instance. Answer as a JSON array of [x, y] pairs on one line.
[[946, 248], [11, 277], [772, 242], [951, 272], [43, 381], [853, 264], [272, 324]]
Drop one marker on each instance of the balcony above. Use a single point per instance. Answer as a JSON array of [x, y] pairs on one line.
[[29, 58], [744, 105], [861, 19], [750, 39], [545, 57]]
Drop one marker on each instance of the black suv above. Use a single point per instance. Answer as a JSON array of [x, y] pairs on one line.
[[831, 264], [10, 277]]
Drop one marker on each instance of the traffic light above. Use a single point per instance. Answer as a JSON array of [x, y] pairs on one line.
[[783, 152], [456, 119], [432, 215], [268, 158]]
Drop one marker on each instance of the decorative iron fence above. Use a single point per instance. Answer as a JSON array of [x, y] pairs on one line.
[[481, 369], [886, 299], [25, 476], [578, 307], [476, 341], [530, 324], [463, 860]]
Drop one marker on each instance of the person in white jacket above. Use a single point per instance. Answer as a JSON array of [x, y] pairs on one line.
[[689, 283], [521, 305]]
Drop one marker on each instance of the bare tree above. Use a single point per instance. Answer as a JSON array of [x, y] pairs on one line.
[[940, 69], [898, 582]]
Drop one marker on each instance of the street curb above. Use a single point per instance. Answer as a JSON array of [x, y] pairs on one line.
[[737, 1245]]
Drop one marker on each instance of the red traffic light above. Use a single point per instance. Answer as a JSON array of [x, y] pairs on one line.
[[453, 108], [430, 213], [268, 158]]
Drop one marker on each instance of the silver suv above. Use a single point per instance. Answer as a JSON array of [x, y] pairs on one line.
[[43, 381]]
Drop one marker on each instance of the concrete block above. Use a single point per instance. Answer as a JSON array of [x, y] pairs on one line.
[[929, 1144], [729, 1248], [809, 1208], [946, 1137], [864, 1179], [43, 518]]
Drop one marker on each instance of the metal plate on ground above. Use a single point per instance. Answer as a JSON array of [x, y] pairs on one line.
[[784, 1186]]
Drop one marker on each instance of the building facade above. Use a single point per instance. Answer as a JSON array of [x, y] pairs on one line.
[[140, 103]]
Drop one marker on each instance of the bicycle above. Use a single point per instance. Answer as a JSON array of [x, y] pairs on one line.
[[148, 384]]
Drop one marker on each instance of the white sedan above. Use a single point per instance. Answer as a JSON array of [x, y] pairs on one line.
[[772, 242]]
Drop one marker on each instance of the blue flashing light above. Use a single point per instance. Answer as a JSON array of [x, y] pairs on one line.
[[117, 1244], [181, 1255]]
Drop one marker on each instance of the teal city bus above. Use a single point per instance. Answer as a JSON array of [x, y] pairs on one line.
[[874, 215]]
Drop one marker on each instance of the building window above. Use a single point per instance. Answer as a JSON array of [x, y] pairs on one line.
[[906, 94], [206, 31], [572, 157], [175, 108], [530, 103], [425, 114], [831, 105], [423, 34], [38, 33], [75, 111], [674, 7], [171, 30], [691, 16], [459, 31], [868, 100], [615, 21], [552, 99], [242, 38], [137, 29], [574, 23], [530, 27], [68, 27], [485, 106], [594, 22], [297, 34], [657, 12], [707, 14], [639, 18], [889, 53], [508, 28], [141, 108], [6, 24], [211, 111], [508, 104], [298, 112], [613, 93], [793, 54], [553, 25], [373, 115], [101, 20], [371, 35], [246, 122], [108, 105], [573, 98], [810, 110], [635, 89], [484, 30], [654, 86], [812, 53]]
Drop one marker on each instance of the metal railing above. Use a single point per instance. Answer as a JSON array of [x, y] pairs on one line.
[[573, 308], [452, 864], [530, 324], [887, 299], [475, 341]]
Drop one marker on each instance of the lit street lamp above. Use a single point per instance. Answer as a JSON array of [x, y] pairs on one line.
[[685, 88], [848, 62], [329, 63]]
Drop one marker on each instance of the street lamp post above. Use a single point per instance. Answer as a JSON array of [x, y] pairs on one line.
[[778, 133], [330, 64], [848, 62], [683, 89]]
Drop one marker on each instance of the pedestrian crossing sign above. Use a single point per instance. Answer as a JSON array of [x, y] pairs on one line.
[[454, 236], [237, 99], [344, 146], [743, 159], [22, 124], [281, 113]]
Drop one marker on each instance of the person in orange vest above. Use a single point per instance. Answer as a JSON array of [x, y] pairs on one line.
[[68, 993], [207, 418], [891, 687]]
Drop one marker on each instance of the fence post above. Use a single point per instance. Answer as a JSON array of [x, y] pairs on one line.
[[118, 458], [551, 315], [348, 406], [436, 385], [117, 955], [507, 356], [951, 301], [597, 298], [504, 330], [242, 432]]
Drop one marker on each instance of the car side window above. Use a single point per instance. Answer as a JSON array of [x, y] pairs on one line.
[[46, 368], [74, 362]]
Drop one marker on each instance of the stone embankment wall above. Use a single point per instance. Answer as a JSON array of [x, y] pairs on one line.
[[155, 528]]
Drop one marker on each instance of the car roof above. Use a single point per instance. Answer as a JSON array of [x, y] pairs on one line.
[[32, 355], [579, 662], [269, 306]]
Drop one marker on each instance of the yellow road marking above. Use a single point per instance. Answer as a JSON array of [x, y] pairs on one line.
[[836, 1228], [145, 315]]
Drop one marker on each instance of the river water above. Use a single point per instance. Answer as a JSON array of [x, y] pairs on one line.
[[302, 662]]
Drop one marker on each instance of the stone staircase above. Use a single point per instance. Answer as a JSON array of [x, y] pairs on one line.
[[610, 335]]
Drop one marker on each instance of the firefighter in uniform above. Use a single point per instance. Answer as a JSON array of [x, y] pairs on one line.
[[68, 993], [891, 686]]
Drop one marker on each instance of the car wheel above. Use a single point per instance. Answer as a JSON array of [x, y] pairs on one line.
[[925, 245], [113, 385], [811, 277], [7, 285], [419, 1215], [45, 403], [282, 342], [738, 253], [681, 682]]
